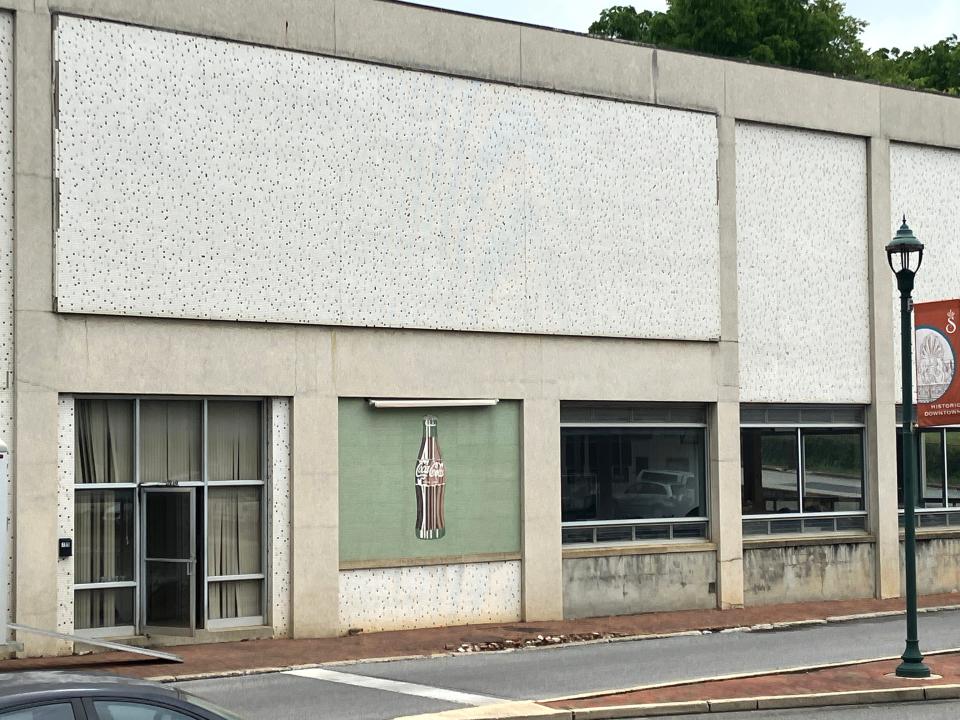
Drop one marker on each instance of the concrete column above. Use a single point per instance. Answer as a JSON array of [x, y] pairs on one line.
[[35, 401], [725, 516], [542, 550], [314, 512], [725, 506], [881, 419]]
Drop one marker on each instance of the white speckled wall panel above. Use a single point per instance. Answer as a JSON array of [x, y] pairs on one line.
[[65, 510], [6, 282], [429, 596], [279, 504], [925, 186], [207, 179], [802, 266]]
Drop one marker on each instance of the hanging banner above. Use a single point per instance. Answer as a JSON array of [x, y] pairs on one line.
[[935, 354]]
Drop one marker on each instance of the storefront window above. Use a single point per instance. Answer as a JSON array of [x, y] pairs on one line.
[[802, 468], [104, 441], [832, 470], [826, 478], [104, 608], [938, 468], [234, 551], [771, 473], [632, 474], [197, 461], [234, 445], [171, 433], [105, 533]]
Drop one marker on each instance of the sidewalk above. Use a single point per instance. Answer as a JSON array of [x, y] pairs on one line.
[[270, 655], [844, 684], [852, 683]]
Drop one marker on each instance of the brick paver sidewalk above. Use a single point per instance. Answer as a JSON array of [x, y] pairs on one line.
[[857, 677], [261, 654]]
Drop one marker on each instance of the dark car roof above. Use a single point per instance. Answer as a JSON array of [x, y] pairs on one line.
[[16, 687]]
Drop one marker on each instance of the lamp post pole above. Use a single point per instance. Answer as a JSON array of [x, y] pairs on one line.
[[901, 248]]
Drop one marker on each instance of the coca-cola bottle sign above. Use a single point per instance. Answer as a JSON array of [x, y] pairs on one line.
[[429, 484]]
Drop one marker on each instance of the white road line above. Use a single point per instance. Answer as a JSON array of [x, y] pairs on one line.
[[405, 688]]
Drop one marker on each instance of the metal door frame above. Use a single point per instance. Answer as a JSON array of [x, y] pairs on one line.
[[145, 492]]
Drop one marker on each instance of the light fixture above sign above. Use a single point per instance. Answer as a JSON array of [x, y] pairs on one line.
[[432, 402]]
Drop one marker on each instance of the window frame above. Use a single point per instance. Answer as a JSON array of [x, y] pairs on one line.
[[946, 517], [203, 486], [669, 523], [89, 704], [797, 428], [74, 703]]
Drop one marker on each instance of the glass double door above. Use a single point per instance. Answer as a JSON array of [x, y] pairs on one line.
[[169, 572]]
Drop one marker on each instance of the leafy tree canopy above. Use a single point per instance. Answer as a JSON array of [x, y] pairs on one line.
[[815, 35]]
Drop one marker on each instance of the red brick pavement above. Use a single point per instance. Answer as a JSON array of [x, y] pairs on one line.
[[248, 655], [863, 676]]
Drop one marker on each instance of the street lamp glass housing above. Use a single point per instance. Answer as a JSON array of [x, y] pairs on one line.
[[904, 252]]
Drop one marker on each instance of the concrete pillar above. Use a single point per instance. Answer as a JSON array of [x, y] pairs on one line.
[[881, 419], [725, 506], [35, 402], [314, 492], [542, 550], [725, 511], [314, 512]]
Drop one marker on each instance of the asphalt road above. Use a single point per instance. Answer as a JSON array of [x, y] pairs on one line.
[[391, 689]]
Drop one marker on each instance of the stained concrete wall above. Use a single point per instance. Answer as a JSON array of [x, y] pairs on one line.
[[938, 565], [840, 571], [313, 365], [626, 584]]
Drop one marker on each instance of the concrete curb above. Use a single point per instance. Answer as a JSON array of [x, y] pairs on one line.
[[760, 627], [524, 710], [773, 702], [518, 710]]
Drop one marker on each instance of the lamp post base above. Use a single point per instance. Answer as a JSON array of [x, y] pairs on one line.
[[912, 665]]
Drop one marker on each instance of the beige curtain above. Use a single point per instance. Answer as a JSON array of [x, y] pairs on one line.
[[104, 441], [233, 548], [233, 440], [170, 439], [103, 453], [103, 553]]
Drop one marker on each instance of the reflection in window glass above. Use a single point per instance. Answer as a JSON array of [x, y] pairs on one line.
[[832, 470], [104, 441], [171, 434], [117, 710], [632, 473], [105, 536], [233, 437], [769, 480], [56, 711], [931, 470], [932, 477], [953, 466]]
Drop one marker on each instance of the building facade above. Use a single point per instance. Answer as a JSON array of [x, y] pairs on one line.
[[357, 314]]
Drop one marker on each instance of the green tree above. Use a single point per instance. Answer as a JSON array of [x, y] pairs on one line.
[[815, 35], [935, 67]]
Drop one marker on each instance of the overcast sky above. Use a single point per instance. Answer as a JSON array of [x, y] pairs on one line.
[[892, 23]]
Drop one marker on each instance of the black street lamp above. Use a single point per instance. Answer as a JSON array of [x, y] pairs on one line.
[[904, 254]]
